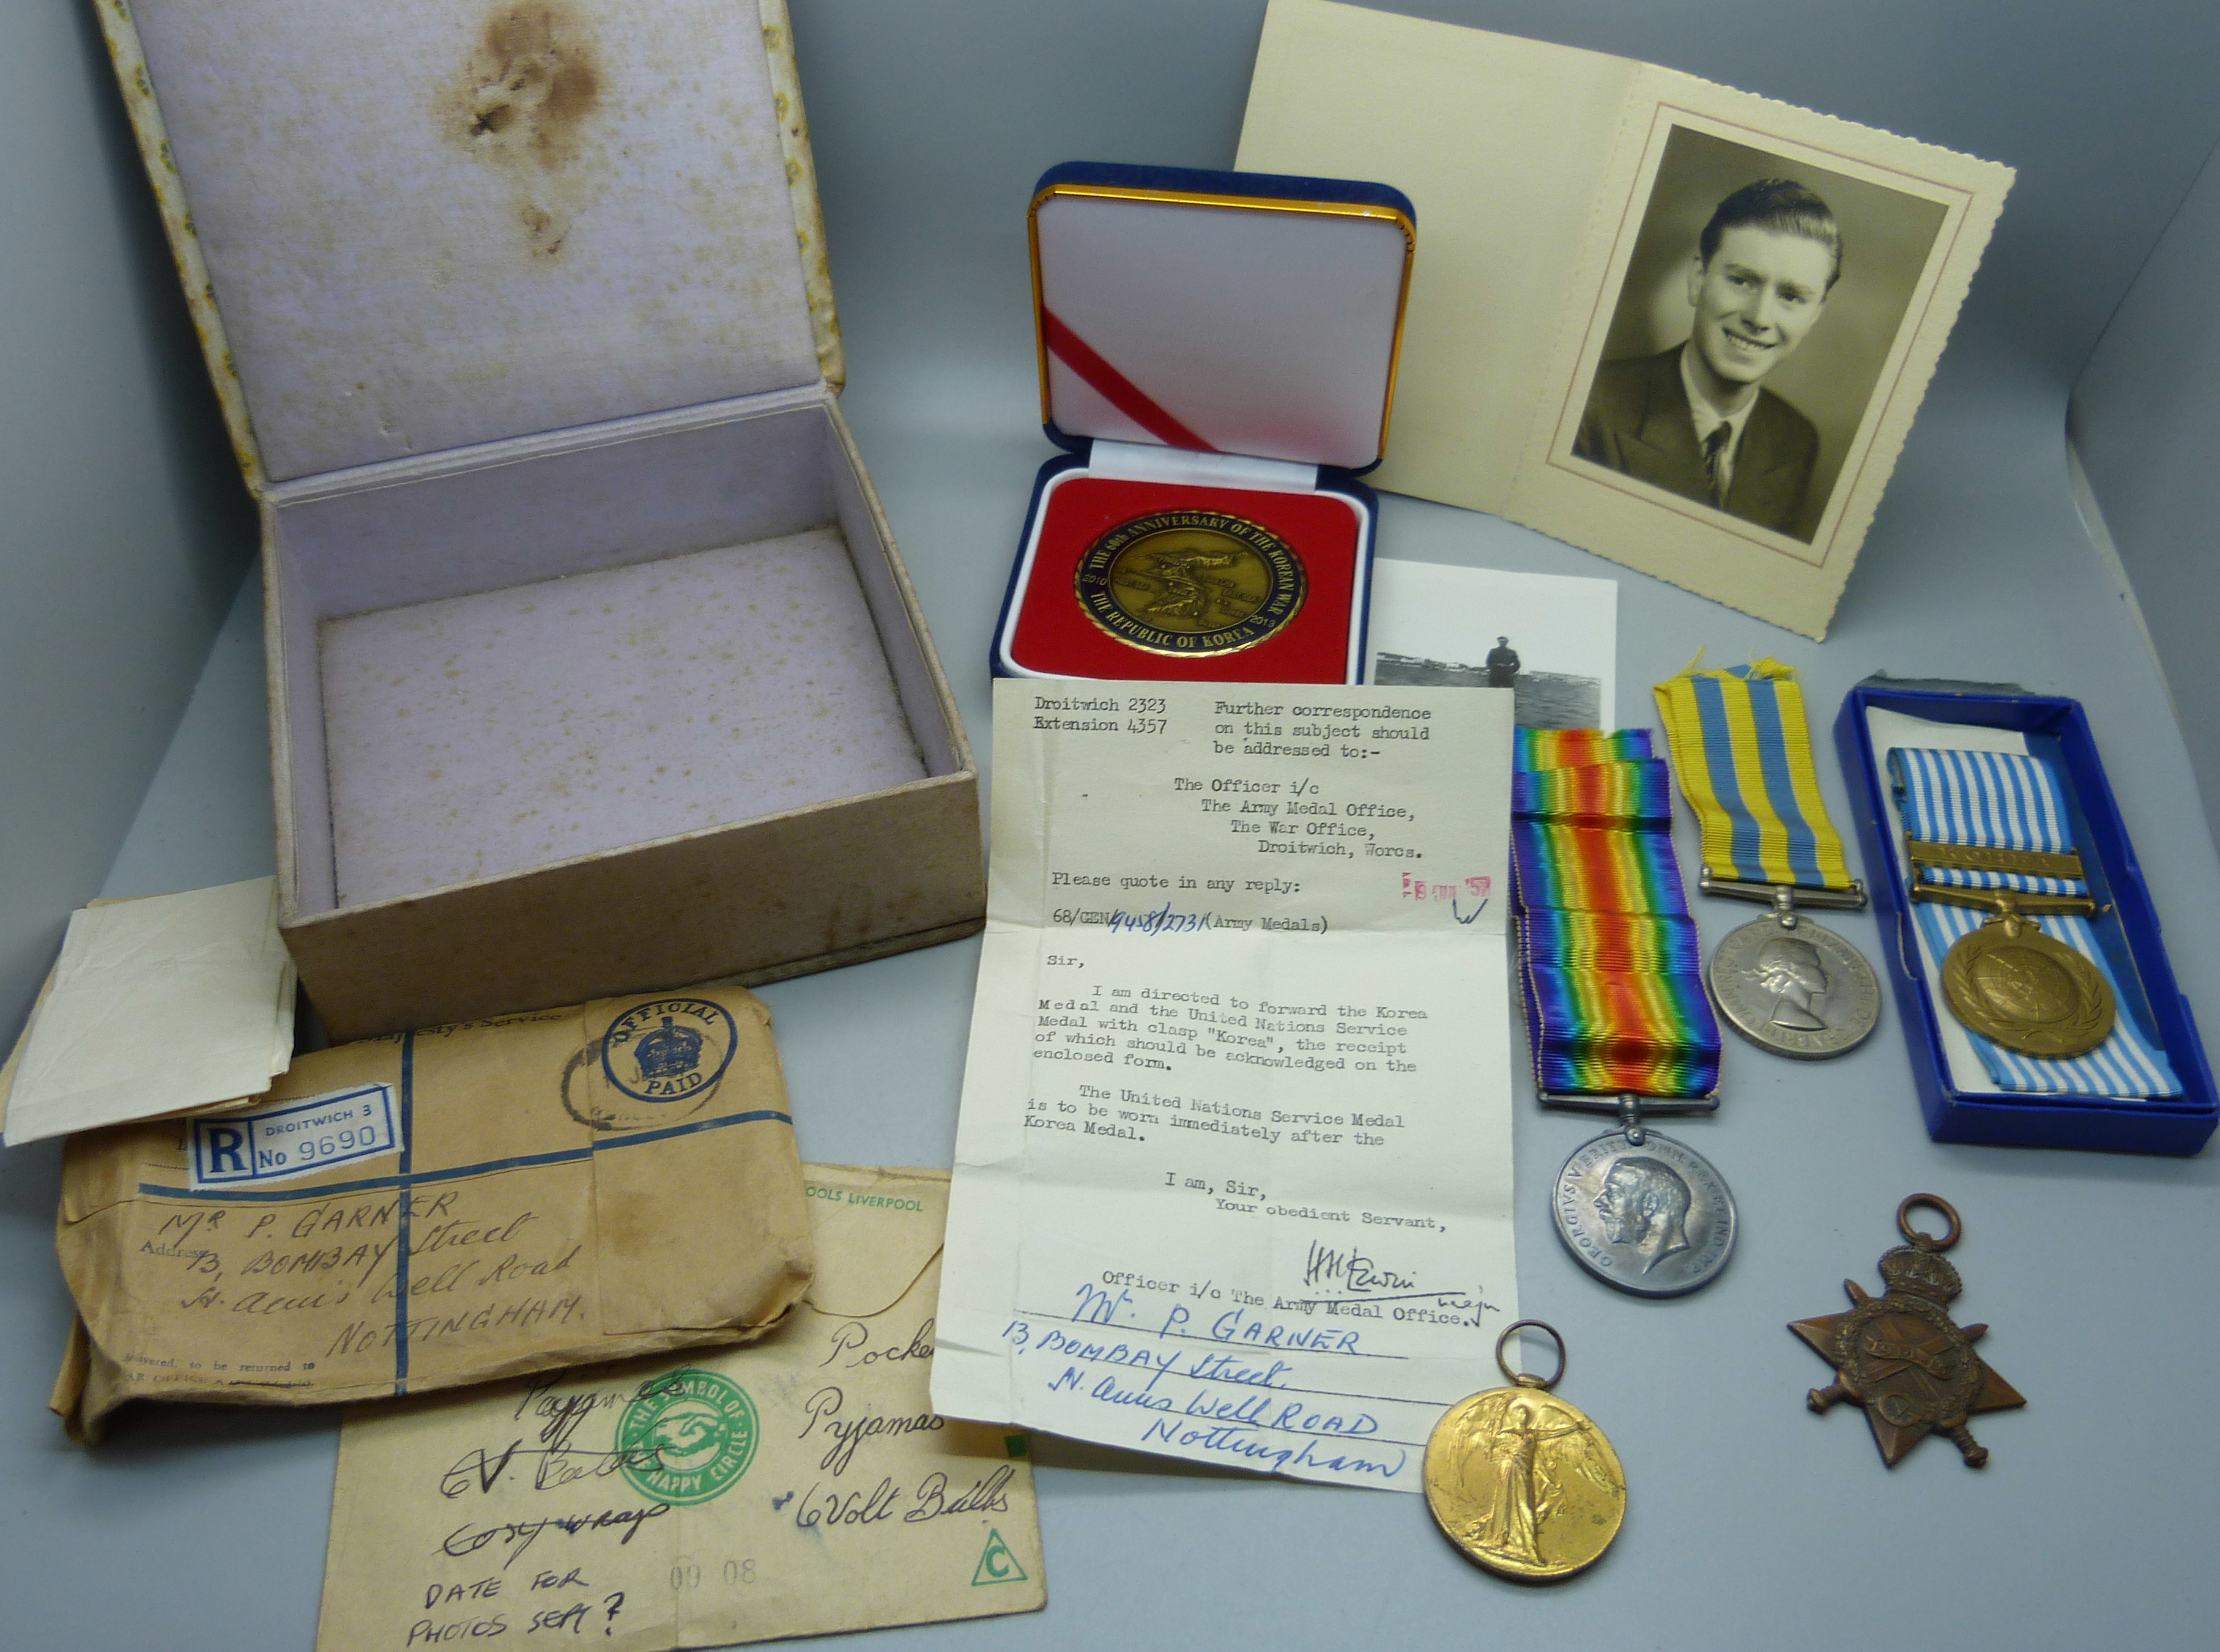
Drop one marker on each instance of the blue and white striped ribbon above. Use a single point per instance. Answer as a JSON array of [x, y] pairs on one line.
[[2127, 1066], [2007, 800], [1989, 799]]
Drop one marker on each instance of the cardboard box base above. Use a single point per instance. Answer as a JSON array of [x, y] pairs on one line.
[[606, 711]]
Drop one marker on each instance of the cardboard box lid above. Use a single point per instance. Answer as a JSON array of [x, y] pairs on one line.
[[1230, 312], [430, 224]]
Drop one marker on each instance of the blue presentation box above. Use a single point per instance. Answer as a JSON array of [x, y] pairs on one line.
[[2057, 734]]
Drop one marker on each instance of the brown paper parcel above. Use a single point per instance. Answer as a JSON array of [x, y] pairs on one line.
[[543, 1190], [798, 1487]]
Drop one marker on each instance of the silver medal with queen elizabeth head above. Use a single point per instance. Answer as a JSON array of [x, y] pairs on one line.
[[1796, 988]]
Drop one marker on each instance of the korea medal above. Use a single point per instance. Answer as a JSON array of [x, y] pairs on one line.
[[1521, 1480], [1787, 984], [1742, 750]]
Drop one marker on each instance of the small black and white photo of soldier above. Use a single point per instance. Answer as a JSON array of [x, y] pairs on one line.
[[1502, 664]]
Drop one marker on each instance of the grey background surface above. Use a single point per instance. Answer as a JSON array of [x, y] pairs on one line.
[[1752, 1524], [2145, 418]]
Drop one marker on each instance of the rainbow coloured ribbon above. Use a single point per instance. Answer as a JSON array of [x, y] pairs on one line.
[[1613, 972], [1741, 745]]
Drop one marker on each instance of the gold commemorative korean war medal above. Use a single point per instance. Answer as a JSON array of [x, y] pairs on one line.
[[1901, 1356], [1521, 1480], [1191, 582]]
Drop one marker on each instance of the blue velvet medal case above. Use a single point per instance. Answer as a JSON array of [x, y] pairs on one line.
[[1961, 1103]]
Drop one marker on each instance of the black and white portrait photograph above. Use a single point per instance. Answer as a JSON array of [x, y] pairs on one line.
[[1749, 333]]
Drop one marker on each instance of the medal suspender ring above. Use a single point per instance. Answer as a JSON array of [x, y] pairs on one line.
[[1527, 1379], [1940, 1205]]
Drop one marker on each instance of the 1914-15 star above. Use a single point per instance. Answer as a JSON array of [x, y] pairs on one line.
[[1900, 1355]]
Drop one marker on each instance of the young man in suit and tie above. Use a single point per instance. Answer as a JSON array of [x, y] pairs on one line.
[[1696, 419]]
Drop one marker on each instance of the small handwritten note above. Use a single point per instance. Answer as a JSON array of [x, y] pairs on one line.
[[1233, 1171]]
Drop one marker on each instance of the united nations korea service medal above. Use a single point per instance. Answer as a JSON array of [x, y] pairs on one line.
[[1790, 985], [1645, 1212], [2016, 987], [1193, 583], [1521, 1480]]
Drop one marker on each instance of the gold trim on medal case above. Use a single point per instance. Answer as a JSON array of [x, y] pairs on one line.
[[1239, 204]]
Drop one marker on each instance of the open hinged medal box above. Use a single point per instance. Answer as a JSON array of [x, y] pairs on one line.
[[2155, 1035], [593, 667], [1218, 359]]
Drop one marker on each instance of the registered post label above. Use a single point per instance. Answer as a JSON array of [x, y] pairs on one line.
[[297, 1138]]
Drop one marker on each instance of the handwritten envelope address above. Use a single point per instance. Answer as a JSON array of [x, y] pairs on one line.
[[451, 1206], [801, 1486]]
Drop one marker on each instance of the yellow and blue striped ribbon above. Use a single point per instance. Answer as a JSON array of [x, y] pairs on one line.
[[1742, 748]]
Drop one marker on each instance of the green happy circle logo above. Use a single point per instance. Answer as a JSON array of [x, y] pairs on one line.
[[687, 1436]]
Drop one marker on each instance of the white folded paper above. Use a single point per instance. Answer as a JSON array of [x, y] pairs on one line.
[[1233, 1169], [158, 1006]]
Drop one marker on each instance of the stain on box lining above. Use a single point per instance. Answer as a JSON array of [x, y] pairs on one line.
[[526, 103]]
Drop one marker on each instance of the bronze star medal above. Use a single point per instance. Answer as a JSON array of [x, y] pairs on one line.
[[1900, 1355]]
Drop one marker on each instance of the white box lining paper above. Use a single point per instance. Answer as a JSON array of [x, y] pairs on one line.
[[761, 505], [399, 275], [1265, 333], [483, 735]]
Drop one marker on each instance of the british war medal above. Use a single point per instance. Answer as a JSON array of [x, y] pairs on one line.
[[1615, 1015], [1521, 1480], [2003, 898], [1191, 582], [1901, 1356], [1742, 747]]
